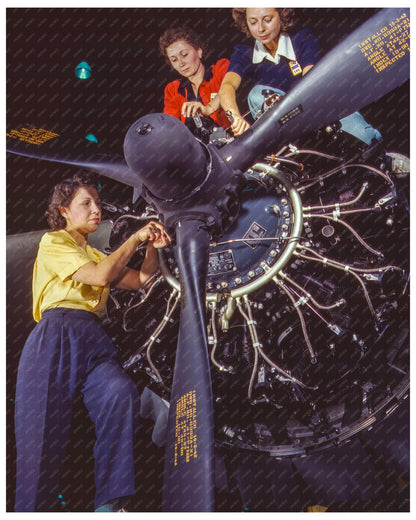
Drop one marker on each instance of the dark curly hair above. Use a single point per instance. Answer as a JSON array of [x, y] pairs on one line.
[[62, 195], [287, 18], [184, 32]]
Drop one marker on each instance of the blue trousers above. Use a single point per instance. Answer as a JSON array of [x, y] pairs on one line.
[[353, 124], [69, 353]]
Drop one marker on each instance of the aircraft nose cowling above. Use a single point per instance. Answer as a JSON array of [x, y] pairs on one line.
[[165, 156]]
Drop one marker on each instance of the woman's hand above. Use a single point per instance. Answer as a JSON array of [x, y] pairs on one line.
[[155, 235], [112, 269], [190, 108], [238, 124], [227, 98], [154, 232]]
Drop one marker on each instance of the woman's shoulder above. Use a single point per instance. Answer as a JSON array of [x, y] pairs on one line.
[[243, 49], [302, 35], [306, 46], [221, 61], [60, 237], [173, 86], [51, 236], [242, 59], [220, 66]]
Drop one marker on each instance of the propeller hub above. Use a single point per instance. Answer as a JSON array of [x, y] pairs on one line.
[[165, 156], [183, 177]]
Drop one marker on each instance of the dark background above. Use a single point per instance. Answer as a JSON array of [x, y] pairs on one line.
[[128, 78]]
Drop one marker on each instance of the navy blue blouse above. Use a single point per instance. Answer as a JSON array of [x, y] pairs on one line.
[[306, 48]]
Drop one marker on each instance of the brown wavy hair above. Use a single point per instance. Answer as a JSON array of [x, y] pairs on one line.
[[184, 32], [62, 195], [287, 18]]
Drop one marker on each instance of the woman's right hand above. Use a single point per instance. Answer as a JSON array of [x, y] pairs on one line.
[[239, 125], [113, 268], [153, 232], [190, 109], [227, 98]]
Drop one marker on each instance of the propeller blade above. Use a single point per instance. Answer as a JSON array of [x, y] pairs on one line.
[[46, 145], [188, 483], [365, 66]]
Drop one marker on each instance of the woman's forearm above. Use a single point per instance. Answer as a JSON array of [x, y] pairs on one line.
[[213, 105], [227, 95], [229, 104], [150, 264], [133, 279], [111, 267]]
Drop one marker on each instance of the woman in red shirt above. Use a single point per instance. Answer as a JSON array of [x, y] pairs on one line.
[[199, 86]]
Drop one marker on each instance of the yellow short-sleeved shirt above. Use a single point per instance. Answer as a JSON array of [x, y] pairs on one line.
[[59, 257]]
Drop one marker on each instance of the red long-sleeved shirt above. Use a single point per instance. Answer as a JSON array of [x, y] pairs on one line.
[[180, 91]]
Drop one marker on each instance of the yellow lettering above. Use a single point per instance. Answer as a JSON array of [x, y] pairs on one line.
[[185, 428], [387, 45], [36, 136]]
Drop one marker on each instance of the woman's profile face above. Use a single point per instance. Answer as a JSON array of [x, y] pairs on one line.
[[264, 25], [84, 211], [184, 58]]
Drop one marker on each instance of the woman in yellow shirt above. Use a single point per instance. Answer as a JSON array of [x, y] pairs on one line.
[[69, 353]]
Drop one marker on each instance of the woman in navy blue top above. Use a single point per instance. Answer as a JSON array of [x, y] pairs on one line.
[[277, 59], [280, 57]]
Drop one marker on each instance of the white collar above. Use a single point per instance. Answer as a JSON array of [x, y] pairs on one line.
[[285, 49]]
